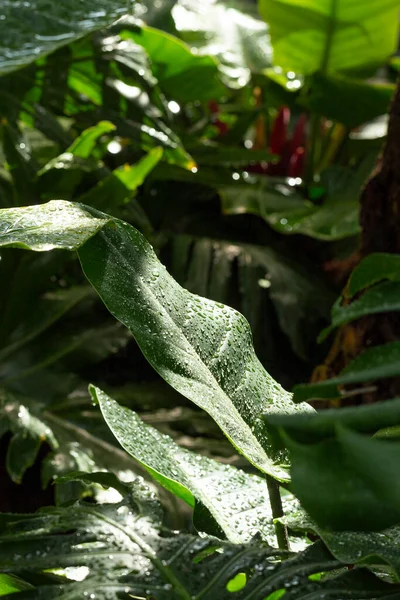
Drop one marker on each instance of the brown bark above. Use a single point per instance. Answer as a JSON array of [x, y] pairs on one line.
[[380, 224]]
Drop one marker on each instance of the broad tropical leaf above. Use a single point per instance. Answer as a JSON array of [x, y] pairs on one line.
[[242, 46], [326, 35], [238, 501], [345, 480], [203, 349]]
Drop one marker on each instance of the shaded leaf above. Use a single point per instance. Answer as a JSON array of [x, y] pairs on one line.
[[384, 297], [374, 363], [374, 268]]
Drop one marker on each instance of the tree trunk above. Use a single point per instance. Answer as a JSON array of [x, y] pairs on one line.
[[380, 224]]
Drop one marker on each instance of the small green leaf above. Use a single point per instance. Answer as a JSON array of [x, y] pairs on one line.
[[373, 269], [384, 297], [379, 362]]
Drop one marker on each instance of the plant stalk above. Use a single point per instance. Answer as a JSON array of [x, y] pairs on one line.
[[277, 511]]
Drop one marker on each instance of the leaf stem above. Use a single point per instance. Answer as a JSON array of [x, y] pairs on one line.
[[277, 511]]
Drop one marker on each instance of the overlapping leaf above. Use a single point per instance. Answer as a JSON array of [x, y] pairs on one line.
[[237, 501], [345, 479], [120, 553], [201, 348]]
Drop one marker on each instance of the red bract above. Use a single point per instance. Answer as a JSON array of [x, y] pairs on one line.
[[215, 120], [279, 131], [291, 150]]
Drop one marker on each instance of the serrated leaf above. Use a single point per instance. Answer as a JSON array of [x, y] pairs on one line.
[[123, 554], [220, 372]]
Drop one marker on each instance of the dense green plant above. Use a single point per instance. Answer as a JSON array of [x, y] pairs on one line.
[[217, 144]]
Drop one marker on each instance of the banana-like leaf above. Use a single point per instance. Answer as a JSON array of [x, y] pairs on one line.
[[237, 500], [331, 35], [201, 348], [241, 46], [111, 551]]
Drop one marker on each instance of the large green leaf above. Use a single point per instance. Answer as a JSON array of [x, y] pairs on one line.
[[118, 552], [345, 480], [347, 100], [374, 363], [201, 348], [241, 46], [182, 74], [238, 501], [331, 35], [32, 29]]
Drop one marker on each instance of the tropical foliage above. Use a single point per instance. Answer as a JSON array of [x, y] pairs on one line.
[[138, 134]]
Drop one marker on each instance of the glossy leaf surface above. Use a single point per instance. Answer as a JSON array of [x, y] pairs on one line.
[[201, 348], [238, 501], [32, 29]]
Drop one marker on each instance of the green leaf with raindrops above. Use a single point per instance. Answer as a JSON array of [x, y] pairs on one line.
[[203, 349], [112, 551], [238, 501]]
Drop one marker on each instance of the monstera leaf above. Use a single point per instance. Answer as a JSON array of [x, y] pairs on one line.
[[120, 551]]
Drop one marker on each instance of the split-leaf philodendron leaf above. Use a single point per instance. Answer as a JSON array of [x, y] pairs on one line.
[[201, 348]]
